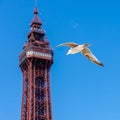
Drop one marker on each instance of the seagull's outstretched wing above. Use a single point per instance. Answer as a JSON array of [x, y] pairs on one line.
[[69, 44], [88, 54]]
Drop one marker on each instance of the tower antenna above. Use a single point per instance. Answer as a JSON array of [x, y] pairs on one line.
[[35, 3]]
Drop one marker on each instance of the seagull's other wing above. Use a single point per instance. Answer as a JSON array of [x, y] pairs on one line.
[[69, 44], [88, 54]]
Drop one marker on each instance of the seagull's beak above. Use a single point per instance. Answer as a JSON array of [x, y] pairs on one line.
[[89, 44]]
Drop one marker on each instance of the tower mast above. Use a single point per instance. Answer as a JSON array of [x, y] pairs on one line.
[[35, 63], [35, 3]]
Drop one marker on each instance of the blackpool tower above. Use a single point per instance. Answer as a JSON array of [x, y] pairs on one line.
[[35, 63]]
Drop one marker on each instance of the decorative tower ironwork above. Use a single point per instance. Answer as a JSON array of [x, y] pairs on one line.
[[35, 63]]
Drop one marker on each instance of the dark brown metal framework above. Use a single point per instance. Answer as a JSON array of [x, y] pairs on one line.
[[35, 62]]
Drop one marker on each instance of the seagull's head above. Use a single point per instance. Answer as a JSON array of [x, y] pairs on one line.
[[86, 45]]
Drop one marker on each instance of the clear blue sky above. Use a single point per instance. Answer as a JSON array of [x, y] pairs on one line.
[[80, 89]]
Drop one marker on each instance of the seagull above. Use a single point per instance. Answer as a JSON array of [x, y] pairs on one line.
[[76, 48]]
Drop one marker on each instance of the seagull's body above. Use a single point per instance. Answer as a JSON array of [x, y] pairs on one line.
[[75, 48]]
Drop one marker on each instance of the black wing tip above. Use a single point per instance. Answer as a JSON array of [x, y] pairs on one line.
[[101, 64]]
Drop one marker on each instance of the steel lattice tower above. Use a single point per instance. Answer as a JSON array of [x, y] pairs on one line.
[[35, 63]]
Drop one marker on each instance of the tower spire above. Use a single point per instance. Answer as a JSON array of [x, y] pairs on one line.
[[36, 19], [36, 11], [35, 3], [36, 32], [35, 8]]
